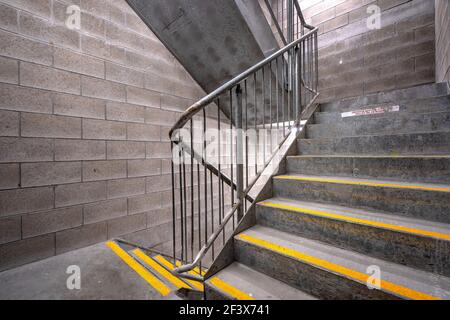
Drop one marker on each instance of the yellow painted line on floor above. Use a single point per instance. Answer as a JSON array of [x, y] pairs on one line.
[[159, 269], [340, 217], [227, 288], [349, 273], [169, 265], [139, 269], [218, 283], [364, 183]]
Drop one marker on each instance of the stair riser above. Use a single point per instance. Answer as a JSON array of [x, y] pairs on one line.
[[441, 105], [412, 250], [419, 124], [380, 98], [413, 144], [309, 279], [211, 293], [428, 205], [405, 169]]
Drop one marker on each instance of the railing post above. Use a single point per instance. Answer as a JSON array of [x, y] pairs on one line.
[[316, 57], [290, 31], [297, 84], [290, 17], [239, 154]]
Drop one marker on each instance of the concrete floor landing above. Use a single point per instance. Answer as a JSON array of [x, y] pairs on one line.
[[104, 276]]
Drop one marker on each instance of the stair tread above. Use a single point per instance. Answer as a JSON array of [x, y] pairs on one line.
[[349, 264], [373, 218], [422, 92], [367, 182], [382, 134], [377, 135], [258, 285], [365, 156], [398, 114]]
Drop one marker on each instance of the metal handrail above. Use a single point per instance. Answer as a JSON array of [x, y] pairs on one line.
[[204, 102], [277, 24], [302, 18], [299, 73]]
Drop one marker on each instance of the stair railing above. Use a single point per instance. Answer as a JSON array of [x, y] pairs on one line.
[[222, 144], [288, 20]]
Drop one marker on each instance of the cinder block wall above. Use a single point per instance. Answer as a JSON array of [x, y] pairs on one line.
[[84, 121], [442, 40], [355, 60]]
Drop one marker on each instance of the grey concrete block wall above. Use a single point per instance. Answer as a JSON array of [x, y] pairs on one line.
[[442, 41], [84, 116], [355, 60]]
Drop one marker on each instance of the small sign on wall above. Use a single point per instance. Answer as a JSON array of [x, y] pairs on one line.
[[376, 110]]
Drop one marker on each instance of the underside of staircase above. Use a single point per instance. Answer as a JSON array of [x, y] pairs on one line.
[[362, 211]]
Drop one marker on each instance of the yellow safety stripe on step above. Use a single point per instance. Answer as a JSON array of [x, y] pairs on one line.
[[335, 268], [365, 183], [140, 270], [229, 289], [159, 269], [168, 265], [340, 217]]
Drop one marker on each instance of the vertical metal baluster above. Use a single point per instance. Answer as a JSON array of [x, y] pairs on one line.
[[291, 20], [264, 113], [206, 176], [219, 165], [278, 12], [270, 107], [185, 207], [256, 128], [299, 62], [277, 88], [316, 55], [282, 16], [192, 189], [199, 200], [310, 65], [246, 140], [211, 191], [293, 86], [282, 95], [296, 93], [181, 199], [303, 70], [223, 205], [289, 90], [174, 213], [231, 153], [239, 154]]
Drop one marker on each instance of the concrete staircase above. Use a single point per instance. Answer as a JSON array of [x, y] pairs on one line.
[[365, 194]]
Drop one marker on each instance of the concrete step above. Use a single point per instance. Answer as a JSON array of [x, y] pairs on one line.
[[410, 123], [416, 200], [328, 272], [395, 96], [237, 282], [412, 242], [160, 271], [431, 169], [398, 144], [427, 105]]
